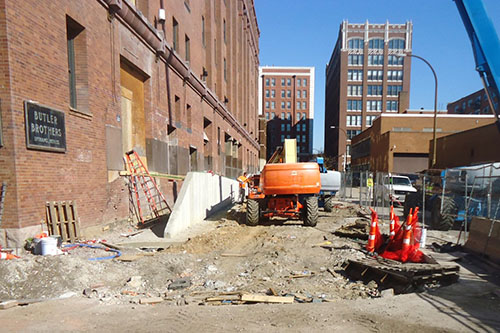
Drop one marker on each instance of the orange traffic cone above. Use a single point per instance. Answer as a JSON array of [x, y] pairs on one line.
[[392, 224], [7, 256], [405, 249], [370, 246]]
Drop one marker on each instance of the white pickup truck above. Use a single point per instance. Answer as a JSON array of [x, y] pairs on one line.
[[396, 188]]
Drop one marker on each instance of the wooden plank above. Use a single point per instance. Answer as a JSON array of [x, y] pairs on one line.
[[76, 218], [71, 221], [63, 224], [8, 304], [53, 219], [223, 298], [151, 300], [233, 255], [266, 299]]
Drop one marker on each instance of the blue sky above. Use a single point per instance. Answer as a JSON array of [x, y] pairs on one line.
[[303, 33]]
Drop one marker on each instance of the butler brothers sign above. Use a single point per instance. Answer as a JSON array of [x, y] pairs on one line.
[[45, 129]]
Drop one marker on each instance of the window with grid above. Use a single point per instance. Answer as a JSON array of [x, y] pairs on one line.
[[375, 75], [397, 44], [373, 105], [267, 93], [355, 75], [376, 44], [393, 90], [375, 60], [375, 90], [298, 105], [354, 105], [369, 120], [355, 44], [273, 93], [282, 93], [392, 106], [395, 75], [355, 59], [354, 90]]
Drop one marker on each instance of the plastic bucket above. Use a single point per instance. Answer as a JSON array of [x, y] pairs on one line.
[[49, 246]]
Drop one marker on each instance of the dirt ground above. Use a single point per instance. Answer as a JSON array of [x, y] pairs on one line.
[[77, 294]]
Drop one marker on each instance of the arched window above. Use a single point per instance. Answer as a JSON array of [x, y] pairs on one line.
[[397, 44], [377, 43], [355, 43]]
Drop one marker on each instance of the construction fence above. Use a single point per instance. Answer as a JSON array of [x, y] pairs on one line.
[[448, 198]]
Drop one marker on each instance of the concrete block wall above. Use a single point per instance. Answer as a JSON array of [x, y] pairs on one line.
[[201, 195]]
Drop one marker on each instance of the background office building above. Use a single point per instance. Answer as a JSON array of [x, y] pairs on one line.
[[286, 101], [365, 77], [475, 103]]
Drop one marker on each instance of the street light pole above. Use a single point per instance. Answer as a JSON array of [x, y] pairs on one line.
[[345, 155], [435, 105]]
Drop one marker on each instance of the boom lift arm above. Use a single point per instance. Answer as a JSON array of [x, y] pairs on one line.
[[485, 45]]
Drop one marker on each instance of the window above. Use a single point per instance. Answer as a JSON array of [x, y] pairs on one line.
[[397, 44], [282, 115], [369, 120], [299, 82], [304, 94], [376, 44], [224, 30], [354, 105], [353, 120], [393, 90], [288, 105], [303, 138], [288, 127], [304, 81], [283, 83], [355, 59], [267, 105], [303, 127], [273, 105], [288, 93], [395, 75], [175, 37], [394, 60], [282, 93], [225, 70], [273, 93], [288, 82], [203, 31], [267, 92], [298, 138], [375, 90], [189, 116], [352, 133], [282, 105], [273, 115], [392, 106], [267, 82], [298, 93], [282, 127], [373, 105], [348, 150], [304, 105], [187, 48], [273, 82], [355, 44], [77, 65], [375, 75], [303, 115], [355, 75], [298, 105], [354, 90], [267, 115], [375, 60], [289, 116], [282, 137]]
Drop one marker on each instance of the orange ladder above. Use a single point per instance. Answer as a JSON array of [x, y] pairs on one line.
[[139, 174]]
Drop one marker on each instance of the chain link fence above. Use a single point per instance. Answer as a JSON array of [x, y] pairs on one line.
[[449, 198]]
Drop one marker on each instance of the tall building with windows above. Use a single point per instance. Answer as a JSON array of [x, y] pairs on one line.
[[367, 74], [286, 101]]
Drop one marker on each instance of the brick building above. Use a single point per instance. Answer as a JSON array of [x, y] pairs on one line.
[[364, 78], [403, 142], [82, 82], [286, 100], [475, 103]]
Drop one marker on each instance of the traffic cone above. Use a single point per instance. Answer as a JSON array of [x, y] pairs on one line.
[[7, 256], [370, 246], [392, 224], [405, 249]]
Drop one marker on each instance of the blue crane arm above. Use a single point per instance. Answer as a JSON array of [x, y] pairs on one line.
[[485, 45]]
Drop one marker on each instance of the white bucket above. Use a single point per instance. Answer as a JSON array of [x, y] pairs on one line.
[[423, 237], [49, 246]]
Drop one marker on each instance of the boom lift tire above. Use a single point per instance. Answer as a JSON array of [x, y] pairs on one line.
[[311, 211], [253, 212], [446, 219], [328, 206]]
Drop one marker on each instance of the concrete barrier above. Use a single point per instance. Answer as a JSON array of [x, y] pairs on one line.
[[484, 238], [202, 194]]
